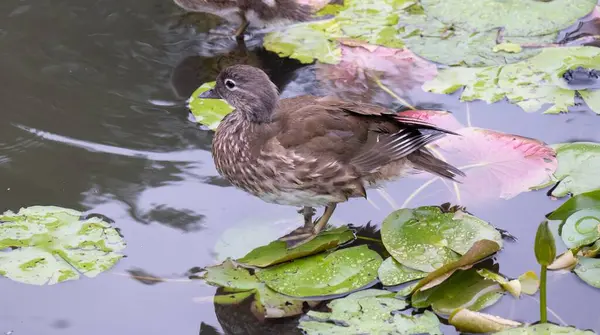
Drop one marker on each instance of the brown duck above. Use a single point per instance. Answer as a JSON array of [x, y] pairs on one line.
[[253, 13], [313, 151]]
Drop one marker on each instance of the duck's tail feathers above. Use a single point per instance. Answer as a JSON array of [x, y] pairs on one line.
[[423, 160]]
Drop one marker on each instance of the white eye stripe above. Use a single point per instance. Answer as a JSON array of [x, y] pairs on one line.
[[230, 84]]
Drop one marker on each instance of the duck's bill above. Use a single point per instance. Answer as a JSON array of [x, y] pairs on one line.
[[210, 94]]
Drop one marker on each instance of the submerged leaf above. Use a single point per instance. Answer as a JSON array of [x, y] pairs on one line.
[[545, 329], [497, 165], [426, 239], [339, 272], [541, 75], [588, 269], [208, 112], [464, 289], [53, 244], [240, 284], [475, 322], [393, 273], [578, 164], [369, 312], [277, 252]]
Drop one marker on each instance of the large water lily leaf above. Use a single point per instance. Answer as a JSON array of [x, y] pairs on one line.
[[530, 84], [587, 200], [53, 244], [208, 112], [588, 269], [277, 252], [518, 18], [545, 329], [426, 238], [496, 164], [578, 164], [338, 272], [393, 273], [240, 284], [368, 312], [464, 289]]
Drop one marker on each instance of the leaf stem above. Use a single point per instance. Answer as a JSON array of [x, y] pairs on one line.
[[390, 92], [543, 312]]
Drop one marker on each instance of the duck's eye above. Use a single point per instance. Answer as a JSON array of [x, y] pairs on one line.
[[230, 84]]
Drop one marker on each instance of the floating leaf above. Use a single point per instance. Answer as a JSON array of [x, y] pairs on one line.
[[591, 251], [393, 273], [368, 312], [513, 286], [277, 252], [530, 283], [545, 329], [52, 244], [566, 261], [426, 238], [508, 47], [475, 322], [307, 42], [541, 75], [581, 228], [341, 271], [545, 249], [588, 269], [479, 251], [578, 164], [240, 284], [208, 112], [464, 289], [581, 201], [497, 165]]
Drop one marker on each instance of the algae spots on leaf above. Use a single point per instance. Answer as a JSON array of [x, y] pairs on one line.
[[52, 244]]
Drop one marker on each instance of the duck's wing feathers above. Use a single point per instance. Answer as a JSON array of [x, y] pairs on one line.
[[362, 136]]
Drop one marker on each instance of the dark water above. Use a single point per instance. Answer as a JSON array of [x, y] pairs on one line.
[[93, 118]]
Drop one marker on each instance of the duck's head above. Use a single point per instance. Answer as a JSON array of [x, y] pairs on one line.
[[248, 89]]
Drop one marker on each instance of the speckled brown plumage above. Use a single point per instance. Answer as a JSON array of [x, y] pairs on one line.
[[313, 151]]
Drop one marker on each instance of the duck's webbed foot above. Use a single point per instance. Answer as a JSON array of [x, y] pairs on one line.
[[309, 231]]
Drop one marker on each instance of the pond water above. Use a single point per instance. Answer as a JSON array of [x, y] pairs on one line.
[[95, 119]]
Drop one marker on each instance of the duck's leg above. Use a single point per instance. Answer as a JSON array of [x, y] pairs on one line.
[[239, 33], [310, 230]]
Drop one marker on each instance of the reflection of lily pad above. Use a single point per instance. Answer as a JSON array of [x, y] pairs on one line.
[[581, 228], [369, 312], [541, 74], [208, 112], [393, 273], [464, 289], [240, 284], [588, 269], [578, 165], [338, 272], [545, 329], [277, 251], [53, 244], [425, 238]]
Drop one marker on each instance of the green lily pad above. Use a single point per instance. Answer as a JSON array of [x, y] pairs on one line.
[[368, 312], [426, 239], [240, 285], [53, 244], [588, 269], [587, 200], [307, 42], [541, 75], [578, 164], [277, 252], [338, 272], [581, 228], [393, 273], [518, 18], [545, 329], [475, 322], [208, 112], [464, 289]]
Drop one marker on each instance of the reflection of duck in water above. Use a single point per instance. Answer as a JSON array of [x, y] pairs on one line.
[[253, 13]]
